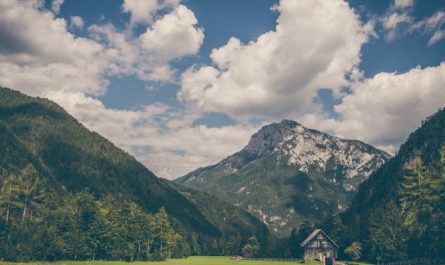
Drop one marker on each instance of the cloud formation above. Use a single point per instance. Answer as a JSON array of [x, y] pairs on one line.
[[32, 60], [145, 11], [56, 4], [161, 137], [76, 22], [384, 109], [316, 44], [399, 21], [173, 36]]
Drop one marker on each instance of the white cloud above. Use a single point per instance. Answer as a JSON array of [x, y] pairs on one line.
[[145, 11], [401, 4], [398, 21], [31, 57], [393, 20], [39, 56], [56, 4], [76, 22], [437, 36], [384, 109], [316, 44], [435, 25], [175, 147], [174, 35]]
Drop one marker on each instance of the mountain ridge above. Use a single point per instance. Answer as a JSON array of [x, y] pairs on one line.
[[288, 158]]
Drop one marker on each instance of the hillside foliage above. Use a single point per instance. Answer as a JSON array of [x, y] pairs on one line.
[[399, 213], [68, 193]]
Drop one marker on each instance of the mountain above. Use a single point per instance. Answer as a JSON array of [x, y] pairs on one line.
[[399, 212], [52, 169], [288, 174], [72, 158], [230, 219]]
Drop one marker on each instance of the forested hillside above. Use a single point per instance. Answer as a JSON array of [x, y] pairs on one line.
[[399, 212], [68, 193]]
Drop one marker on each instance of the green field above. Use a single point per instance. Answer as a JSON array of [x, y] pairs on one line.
[[187, 261]]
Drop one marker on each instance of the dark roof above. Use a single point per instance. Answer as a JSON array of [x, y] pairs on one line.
[[315, 233]]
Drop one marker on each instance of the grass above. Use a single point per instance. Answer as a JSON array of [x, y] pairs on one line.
[[354, 262], [187, 261]]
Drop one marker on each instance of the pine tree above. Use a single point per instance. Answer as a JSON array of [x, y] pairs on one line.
[[251, 248], [416, 185], [387, 235], [354, 251]]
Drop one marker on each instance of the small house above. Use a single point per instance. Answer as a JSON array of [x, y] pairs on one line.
[[320, 247]]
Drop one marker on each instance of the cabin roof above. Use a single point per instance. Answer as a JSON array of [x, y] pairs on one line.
[[314, 234]]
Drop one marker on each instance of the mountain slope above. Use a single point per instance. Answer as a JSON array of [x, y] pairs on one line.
[[399, 212], [53, 168], [288, 174], [230, 219], [71, 158]]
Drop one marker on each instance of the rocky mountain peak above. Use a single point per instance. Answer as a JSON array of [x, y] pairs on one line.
[[271, 136], [288, 174]]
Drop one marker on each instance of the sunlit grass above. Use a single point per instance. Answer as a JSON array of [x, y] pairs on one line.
[[187, 261]]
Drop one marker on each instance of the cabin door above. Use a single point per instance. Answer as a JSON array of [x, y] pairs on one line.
[[329, 261]]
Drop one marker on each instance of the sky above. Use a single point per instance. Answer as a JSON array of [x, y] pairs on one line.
[[182, 84]]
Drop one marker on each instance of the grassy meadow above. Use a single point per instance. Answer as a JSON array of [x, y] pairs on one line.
[[187, 261]]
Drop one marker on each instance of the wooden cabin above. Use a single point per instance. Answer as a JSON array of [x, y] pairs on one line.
[[320, 247]]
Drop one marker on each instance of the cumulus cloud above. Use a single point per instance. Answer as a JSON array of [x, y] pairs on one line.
[[316, 44], [171, 37], [401, 4], [36, 63], [161, 137], [384, 109], [144, 11], [55, 6], [174, 35], [39, 56], [76, 22]]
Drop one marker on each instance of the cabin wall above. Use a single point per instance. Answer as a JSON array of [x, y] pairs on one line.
[[320, 245]]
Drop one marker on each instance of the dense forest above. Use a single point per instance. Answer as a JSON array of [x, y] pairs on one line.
[[399, 212], [68, 193], [83, 227]]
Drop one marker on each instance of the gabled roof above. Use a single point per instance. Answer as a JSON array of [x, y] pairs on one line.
[[314, 234]]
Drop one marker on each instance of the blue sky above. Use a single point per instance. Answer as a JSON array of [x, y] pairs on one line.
[[182, 84]]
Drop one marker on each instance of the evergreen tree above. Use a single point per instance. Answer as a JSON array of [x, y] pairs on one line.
[[387, 235], [354, 251], [194, 245], [251, 248]]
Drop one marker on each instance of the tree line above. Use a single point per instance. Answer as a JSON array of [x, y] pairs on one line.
[[37, 223], [410, 224]]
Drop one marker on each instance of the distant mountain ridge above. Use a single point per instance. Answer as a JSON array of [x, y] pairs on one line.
[[288, 174]]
